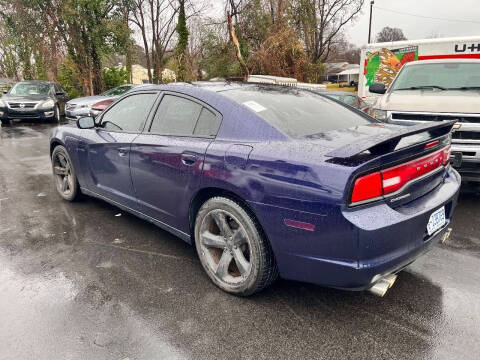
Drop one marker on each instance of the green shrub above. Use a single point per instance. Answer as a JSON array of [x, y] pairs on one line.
[[69, 79], [114, 77]]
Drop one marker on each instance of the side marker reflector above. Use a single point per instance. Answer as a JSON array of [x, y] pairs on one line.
[[299, 225]]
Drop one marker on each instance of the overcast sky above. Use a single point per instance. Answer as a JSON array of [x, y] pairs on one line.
[[417, 27]]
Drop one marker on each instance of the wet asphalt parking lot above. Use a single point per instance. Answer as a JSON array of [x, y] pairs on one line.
[[80, 281]]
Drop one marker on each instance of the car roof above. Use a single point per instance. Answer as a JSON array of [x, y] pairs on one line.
[[442, 61], [220, 86], [35, 82]]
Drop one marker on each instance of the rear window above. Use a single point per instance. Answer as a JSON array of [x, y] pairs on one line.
[[297, 113]]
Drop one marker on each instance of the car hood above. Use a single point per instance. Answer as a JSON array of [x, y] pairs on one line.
[[447, 101], [88, 100], [26, 98]]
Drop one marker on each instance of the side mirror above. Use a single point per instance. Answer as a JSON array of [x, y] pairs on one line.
[[5, 91], [377, 88], [86, 122]]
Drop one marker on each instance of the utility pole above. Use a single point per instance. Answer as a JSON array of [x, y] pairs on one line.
[[370, 25]]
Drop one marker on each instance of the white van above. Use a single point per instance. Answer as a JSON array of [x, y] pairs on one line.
[[438, 90], [381, 62]]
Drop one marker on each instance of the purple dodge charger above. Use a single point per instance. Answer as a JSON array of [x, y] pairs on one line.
[[267, 181]]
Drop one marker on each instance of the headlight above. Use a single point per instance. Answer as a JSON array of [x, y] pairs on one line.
[[379, 114], [48, 104], [2, 104]]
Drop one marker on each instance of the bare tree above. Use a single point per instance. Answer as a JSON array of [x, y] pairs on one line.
[[156, 21], [388, 34], [319, 22]]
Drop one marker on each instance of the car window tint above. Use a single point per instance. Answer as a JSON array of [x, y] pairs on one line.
[[128, 114], [207, 124], [176, 116], [297, 113]]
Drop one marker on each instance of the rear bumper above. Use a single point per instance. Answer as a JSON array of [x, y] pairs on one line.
[[352, 248]]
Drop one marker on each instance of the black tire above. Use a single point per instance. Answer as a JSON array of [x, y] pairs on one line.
[[56, 115], [65, 178], [6, 122], [249, 264]]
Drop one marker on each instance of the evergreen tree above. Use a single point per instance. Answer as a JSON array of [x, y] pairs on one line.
[[182, 45]]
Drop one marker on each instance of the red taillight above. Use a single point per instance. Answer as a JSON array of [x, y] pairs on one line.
[[431, 144], [446, 155], [393, 179], [367, 187]]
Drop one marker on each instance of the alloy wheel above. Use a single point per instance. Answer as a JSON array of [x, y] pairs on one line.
[[225, 247], [63, 174]]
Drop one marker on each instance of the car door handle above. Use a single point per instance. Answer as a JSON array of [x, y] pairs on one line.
[[189, 159], [122, 152]]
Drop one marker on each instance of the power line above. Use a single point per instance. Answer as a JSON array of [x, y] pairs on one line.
[[425, 17]]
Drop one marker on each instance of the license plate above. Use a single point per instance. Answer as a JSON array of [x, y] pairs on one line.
[[437, 220]]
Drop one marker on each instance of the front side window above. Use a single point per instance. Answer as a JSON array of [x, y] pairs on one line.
[[129, 114], [176, 116]]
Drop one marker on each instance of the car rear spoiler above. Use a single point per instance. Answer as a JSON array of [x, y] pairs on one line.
[[387, 142]]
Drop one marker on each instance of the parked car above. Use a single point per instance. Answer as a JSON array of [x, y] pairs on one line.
[[349, 99], [438, 90], [79, 107], [33, 100], [267, 180], [98, 107]]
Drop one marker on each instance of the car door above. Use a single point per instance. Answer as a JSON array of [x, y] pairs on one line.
[[167, 159], [108, 148]]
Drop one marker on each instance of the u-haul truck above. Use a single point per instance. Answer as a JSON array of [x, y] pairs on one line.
[[382, 61]]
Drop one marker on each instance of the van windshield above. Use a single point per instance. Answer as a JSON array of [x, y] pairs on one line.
[[437, 77]]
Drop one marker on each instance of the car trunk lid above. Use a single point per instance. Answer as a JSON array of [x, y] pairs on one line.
[[394, 164]]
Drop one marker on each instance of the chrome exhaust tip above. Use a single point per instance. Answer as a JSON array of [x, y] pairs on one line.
[[390, 279], [381, 287]]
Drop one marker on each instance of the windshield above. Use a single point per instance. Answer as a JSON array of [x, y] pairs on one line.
[[439, 77], [30, 89], [120, 90], [297, 113]]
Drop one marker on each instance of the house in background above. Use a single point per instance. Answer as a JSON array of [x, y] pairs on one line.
[[139, 74], [342, 72]]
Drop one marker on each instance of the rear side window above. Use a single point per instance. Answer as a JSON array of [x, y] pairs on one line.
[[297, 113], [207, 124], [129, 114], [183, 117]]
